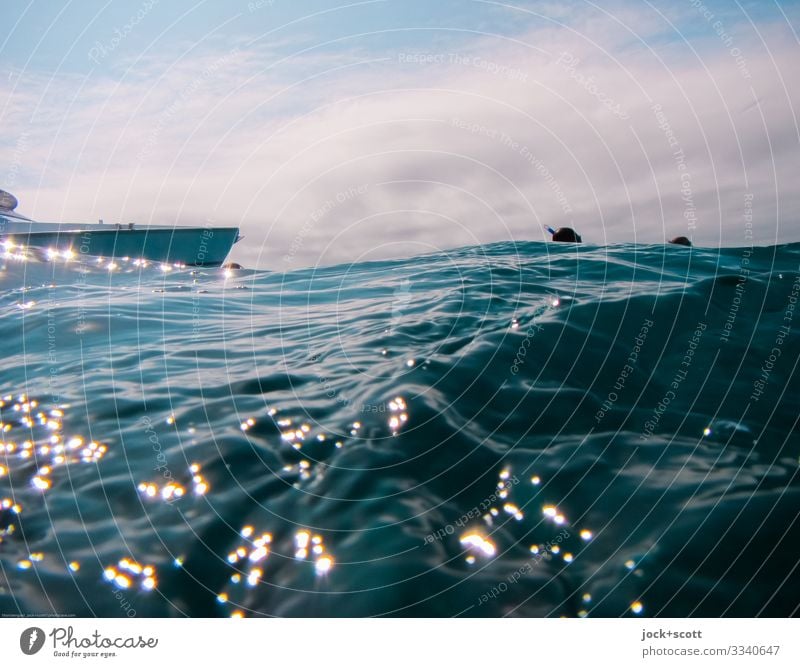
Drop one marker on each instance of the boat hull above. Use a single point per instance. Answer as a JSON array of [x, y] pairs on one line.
[[192, 246]]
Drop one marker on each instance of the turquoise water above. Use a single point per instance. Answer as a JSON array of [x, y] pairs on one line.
[[513, 429]]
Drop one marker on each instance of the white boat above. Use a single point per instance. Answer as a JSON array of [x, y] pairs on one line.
[[191, 246]]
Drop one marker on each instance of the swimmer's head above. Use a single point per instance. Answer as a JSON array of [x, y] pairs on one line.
[[681, 240], [566, 235]]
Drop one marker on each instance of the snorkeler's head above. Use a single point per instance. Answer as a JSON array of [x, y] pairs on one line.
[[681, 240], [566, 235]]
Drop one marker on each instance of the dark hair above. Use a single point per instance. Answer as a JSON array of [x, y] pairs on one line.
[[566, 234]]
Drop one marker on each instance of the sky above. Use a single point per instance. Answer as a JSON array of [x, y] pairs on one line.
[[340, 132]]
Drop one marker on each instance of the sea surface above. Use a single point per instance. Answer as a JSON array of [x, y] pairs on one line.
[[516, 429]]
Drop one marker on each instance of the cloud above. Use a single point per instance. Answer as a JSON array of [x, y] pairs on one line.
[[596, 121]]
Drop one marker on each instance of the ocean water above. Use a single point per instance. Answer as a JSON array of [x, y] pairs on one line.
[[505, 430]]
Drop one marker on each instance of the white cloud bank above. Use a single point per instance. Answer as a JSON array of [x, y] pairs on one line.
[[612, 124]]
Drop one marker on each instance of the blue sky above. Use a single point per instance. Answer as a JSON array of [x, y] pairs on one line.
[[58, 36], [332, 131]]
